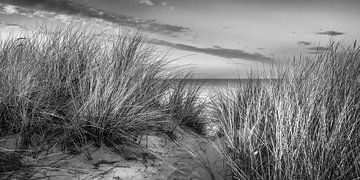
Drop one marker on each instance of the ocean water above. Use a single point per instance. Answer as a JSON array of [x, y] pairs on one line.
[[211, 87]]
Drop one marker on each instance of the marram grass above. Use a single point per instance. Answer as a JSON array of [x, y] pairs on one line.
[[69, 87], [304, 126], [73, 88]]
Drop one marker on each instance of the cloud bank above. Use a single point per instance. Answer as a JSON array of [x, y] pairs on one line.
[[146, 2], [215, 51], [70, 8], [304, 43], [317, 50], [331, 33]]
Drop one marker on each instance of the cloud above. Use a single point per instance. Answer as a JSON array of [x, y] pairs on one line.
[[227, 26], [152, 2], [215, 51], [146, 2], [304, 43], [68, 7], [63, 18], [10, 9], [14, 25], [317, 50], [330, 33]]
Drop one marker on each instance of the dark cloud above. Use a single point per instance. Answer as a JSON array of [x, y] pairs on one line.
[[71, 8], [217, 51], [304, 43], [15, 25], [317, 50], [331, 33]]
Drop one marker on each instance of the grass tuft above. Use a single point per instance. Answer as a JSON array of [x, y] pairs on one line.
[[185, 107], [71, 88], [304, 126]]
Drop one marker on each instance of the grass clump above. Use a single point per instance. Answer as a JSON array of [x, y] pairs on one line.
[[304, 126], [185, 107], [73, 88], [70, 87]]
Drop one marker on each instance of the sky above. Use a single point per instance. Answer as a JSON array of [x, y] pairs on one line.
[[218, 38]]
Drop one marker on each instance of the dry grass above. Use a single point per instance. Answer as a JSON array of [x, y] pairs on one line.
[[71, 88], [185, 107], [305, 126]]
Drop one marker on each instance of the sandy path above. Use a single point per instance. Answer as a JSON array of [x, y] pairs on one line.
[[162, 160]]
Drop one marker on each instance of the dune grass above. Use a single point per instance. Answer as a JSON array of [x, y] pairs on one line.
[[63, 86], [304, 126], [185, 107], [71, 88]]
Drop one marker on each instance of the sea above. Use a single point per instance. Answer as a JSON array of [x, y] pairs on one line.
[[211, 87]]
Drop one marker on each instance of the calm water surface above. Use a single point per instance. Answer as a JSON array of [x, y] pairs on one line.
[[211, 87]]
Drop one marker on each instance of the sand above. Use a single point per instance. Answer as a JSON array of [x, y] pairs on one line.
[[161, 159]]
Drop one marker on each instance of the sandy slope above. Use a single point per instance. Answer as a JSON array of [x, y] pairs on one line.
[[162, 159]]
